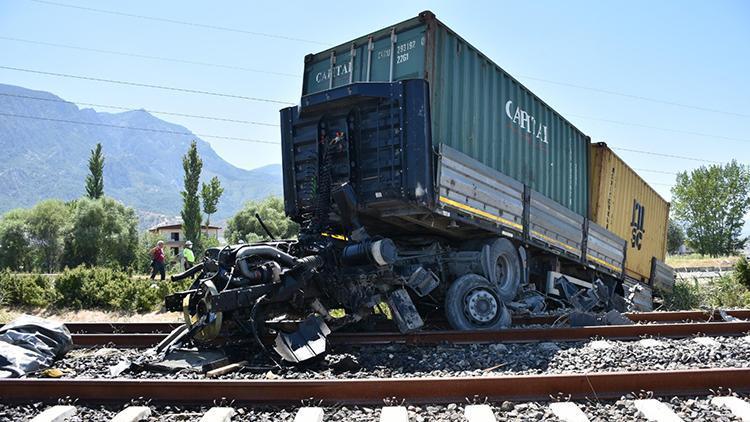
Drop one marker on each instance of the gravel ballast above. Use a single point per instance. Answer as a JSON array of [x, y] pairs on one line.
[[396, 360]]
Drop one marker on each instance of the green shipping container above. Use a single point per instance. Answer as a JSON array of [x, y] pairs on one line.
[[476, 107]]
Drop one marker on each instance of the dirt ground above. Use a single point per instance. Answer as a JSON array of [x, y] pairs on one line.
[[8, 314], [695, 260]]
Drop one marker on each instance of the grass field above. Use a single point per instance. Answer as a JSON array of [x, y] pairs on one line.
[[7, 314], [697, 260]]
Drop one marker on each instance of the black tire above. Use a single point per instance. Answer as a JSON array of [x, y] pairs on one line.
[[507, 268], [473, 303]]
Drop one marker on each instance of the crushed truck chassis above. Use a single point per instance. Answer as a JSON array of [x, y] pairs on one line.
[[288, 288]]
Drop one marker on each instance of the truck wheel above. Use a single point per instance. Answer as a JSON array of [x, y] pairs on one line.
[[473, 303], [507, 268]]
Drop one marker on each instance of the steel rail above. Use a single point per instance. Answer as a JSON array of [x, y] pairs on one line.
[[601, 385], [673, 316], [512, 335], [165, 327], [530, 335], [121, 327]]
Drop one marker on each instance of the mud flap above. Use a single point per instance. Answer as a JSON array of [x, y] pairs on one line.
[[404, 312], [307, 342]]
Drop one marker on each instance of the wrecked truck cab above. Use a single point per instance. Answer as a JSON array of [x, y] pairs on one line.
[[287, 288]]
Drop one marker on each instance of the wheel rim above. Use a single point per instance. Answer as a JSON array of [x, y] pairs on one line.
[[502, 268], [481, 306]]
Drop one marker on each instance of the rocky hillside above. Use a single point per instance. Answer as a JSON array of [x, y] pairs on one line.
[[43, 159]]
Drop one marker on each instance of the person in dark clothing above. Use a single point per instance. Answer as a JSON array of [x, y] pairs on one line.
[[158, 261]]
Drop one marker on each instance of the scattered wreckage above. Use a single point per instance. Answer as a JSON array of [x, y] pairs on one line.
[[30, 344], [286, 289]]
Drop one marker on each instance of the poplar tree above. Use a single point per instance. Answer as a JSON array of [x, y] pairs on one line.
[[95, 179], [210, 193], [191, 206]]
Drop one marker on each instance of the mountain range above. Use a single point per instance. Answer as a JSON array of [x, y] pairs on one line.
[[44, 155]]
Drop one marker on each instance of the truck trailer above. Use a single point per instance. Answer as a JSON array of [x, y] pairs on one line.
[[425, 177]]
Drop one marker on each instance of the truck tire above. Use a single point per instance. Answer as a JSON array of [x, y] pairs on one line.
[[473, 303], [504, 268]]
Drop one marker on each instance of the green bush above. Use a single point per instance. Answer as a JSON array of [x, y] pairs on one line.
[[25, 290], [86, 288], [245, 226], [138, 295], [742, 272], [83, 288], [724, 292], [105, 288], [102, 232], [685, 295]]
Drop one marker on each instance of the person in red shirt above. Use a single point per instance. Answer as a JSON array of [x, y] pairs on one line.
[[157, 261]]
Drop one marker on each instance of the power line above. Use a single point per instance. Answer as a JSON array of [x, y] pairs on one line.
[[292, 75], [637, 97], [275, 125], [269, 101], [284, 37], [217, 136], [687, 132], [667, 155], [179, 22], [172, 132], [657, 171], [662, 184], [240, 68], [289, 103], [270, 124], [144, 56], [142, 85], [169, 113]]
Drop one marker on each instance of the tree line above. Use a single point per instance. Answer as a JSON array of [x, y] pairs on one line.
[[708, 209], [707, 214], [96, 230]]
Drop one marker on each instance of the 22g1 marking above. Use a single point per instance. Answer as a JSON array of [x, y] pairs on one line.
[[402, 51]]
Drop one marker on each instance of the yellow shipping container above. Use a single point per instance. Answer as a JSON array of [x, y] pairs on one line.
[[626, 205]]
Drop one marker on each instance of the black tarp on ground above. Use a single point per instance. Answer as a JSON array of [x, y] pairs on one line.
[[29, 343]]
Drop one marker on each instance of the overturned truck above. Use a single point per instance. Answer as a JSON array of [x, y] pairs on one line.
[[425, 177]]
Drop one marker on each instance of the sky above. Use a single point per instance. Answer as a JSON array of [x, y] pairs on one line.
[[669, 77]]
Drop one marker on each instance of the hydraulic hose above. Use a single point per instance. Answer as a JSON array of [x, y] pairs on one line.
[[265, 251], [188, 273]]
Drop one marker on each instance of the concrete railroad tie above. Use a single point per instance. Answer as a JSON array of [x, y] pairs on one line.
[[568, 412], [394, 414], [309, 414], [651, 409], [218, 414], [736, 405], [132, 414], [656, 411], [56, 414], [479, 413]]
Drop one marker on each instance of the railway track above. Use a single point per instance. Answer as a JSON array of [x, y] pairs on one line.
[[641, 317], [594, 388], [374, 391], [456, 389], [661, 324], [512, 335]]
